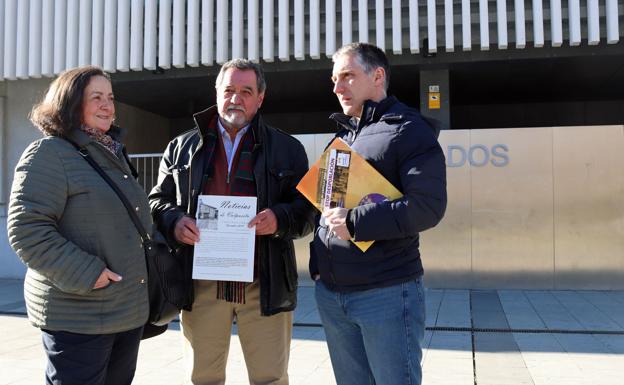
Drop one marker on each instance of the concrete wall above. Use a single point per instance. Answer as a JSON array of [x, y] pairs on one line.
[[147, 132], [17, 133]]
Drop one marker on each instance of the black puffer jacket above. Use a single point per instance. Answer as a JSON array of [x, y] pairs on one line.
[[279, 163], [399, 144]]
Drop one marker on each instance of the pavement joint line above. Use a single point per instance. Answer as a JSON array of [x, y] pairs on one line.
[[472, 342], [524, 331]]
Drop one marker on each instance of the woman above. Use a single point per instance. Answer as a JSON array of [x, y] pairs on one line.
[[86, 285]]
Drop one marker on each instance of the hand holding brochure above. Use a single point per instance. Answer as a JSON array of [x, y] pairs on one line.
[[343, 178]]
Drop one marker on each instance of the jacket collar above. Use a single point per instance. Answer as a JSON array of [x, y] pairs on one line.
[[372, 112], [203, 119]]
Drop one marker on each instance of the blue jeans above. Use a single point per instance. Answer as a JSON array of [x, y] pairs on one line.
[[375, 336]]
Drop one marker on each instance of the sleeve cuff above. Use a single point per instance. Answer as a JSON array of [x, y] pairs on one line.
[[281, 221]]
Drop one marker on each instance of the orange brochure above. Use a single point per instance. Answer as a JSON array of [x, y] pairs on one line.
[[343, 178]]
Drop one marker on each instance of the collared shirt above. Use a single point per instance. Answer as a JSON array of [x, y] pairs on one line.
[[230, 148]]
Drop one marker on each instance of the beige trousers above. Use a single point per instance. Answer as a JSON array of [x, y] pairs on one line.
[[207, 328]]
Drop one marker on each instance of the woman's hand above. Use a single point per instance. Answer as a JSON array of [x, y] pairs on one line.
[[105, 278]]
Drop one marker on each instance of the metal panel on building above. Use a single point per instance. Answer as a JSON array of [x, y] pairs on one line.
[[330, 27], [484, 25], [136, 35], [207, 32], [538, 24], [589, 208], [110, 37], [21, 67], [449, 33], [315, 29], [192, 33], [520, 24], [123, 36], [446, 249], [267, 31], [432, 37], [2, 39], [593, 22], [222, 16], [363, 20], [397, 34], [150, 35], [347, 22], [253, 26], [283, 36], [512, 207], [556, 24], [501, 23], [466, 26], [97, 33], [164, 34], [238, 29], [299, 30], [178, 39], [380, 24], [10, 38], [34, 37], [613, 29], [574, 21], [414, 27]]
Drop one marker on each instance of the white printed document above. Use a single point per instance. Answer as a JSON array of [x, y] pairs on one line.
[[225, 251]]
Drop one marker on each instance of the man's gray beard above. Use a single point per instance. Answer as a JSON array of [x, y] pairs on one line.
[[234, 119]]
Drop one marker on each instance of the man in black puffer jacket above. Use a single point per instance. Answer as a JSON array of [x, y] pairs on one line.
[[232, 151], [372, 303]]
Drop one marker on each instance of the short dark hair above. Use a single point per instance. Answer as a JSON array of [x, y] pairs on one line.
[[60, 111], [243, 64], [369, 56]]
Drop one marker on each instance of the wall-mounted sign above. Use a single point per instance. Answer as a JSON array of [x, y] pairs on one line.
[[434, 97], [434, 100]]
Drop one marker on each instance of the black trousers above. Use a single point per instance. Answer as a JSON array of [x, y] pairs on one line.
[[94, 359]]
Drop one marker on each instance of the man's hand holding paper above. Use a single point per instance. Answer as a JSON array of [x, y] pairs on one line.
[[265, 222], [336, 220], [186, 231]]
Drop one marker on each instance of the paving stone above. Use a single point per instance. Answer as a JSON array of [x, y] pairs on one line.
[[519, 311]]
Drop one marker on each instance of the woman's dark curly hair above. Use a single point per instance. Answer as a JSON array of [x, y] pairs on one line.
[[60, 111]]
